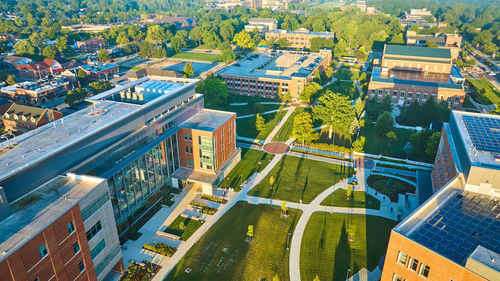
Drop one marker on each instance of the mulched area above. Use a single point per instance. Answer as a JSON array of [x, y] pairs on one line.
[[276, 147]]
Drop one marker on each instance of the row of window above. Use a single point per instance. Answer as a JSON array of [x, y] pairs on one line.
[[94, 206], [409, 95], [98, 249], [189, 150], [93, 230], [411, 264]]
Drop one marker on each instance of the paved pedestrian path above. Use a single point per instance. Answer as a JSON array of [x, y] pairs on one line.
[[280, 124]]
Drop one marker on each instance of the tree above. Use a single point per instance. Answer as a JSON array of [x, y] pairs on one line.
[[431, 44], [100, 86], [188, 70], [82, 76], [432, 145], [303, 129], [316, 278], [282, 43], [351, 232], [391, 135], [349, 192], [181, 225], [75, 95], [286, 97], [62, 43], [276, 278], [50, 52], [374, 108], [335, 111], [271, 181], [384, 123], [103, 55], [214, 89], [284, 207], [23, 48], [259, 122], [11, 79], [228, 55], [359, 144], [156, 33], [310, 90], [244, 40]]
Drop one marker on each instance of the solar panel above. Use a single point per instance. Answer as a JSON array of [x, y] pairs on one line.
[[484, 132], [460, 226]]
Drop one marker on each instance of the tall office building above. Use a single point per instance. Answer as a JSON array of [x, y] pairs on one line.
[[128, 141], [455, 234]]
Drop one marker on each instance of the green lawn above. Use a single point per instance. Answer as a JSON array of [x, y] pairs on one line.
[[197, 56], [245, 127], [359, 199], [389, 186], [223, 254], [248, 165], [190, 226], [377, 145], [325, 250], [484, 91], [345, 88], [246, 110], [344, 74], [285, 132], [299, 178]]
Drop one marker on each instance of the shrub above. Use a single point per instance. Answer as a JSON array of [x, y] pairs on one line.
[[160, 248], [214, 198]]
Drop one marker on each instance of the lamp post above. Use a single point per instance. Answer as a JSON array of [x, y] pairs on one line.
[[347, 274], [287, 241]]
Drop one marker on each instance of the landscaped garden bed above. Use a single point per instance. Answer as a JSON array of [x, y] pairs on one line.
[[214, 198], [144, 271], [225, 253], [160, 248], [390, 186], [183, 227], [202, 208]]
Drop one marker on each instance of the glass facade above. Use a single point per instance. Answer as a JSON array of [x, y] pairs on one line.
[[132, 185], [207, 153]]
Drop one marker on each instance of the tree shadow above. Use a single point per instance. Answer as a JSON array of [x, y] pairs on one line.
[[342, 256]]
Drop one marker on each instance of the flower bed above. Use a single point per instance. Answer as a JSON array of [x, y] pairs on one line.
[[214, 198], [144, 271], [203, 208], [160, 248]]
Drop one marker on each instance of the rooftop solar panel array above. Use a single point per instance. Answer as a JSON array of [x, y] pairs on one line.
[[484, 132], [466, 221]]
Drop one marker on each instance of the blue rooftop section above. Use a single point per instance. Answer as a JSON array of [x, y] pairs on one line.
[[421, 52], [455, 72], [98, 66]]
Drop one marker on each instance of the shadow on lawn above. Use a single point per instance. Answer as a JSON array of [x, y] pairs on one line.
[[342, 256]]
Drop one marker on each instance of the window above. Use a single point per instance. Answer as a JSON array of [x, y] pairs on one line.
[[93, 230], [413, 264], [424, 270], [98, 249], [394, 93], [185, 136], [71, 227], [410, 94], [81, 266], [402, 258], [396, 277], [76, 247], [190, 137], [187, 150], [43, 251], [94, 206], [417, 96]]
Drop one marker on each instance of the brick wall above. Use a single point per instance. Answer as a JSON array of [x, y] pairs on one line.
[[444, 167]]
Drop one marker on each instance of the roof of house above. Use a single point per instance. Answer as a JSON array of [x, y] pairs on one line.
[[207, 120], [28, 112], [35, 66], [413, 51]]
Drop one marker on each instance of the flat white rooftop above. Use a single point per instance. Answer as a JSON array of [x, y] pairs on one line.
[[46, 140], [33, 213]]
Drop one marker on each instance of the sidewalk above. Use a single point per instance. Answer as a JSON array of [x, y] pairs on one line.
[[290, 109]]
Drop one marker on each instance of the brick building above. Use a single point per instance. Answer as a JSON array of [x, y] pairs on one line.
[[100, 71], [300, 38], [450, 41], [22, 118], [454, 235], [207, 144], [269, 74], [409, 73], [90, 45], [37, 92], [51, 233]]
